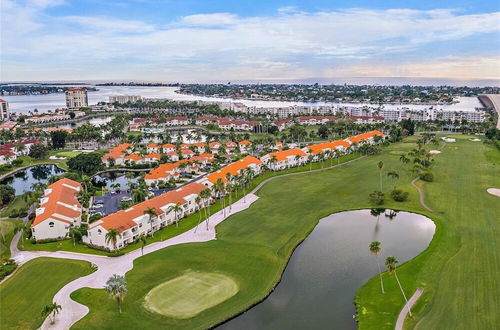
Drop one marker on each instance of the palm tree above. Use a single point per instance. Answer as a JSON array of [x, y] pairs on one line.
[[51, 310], [205, 195], [151, 212], [310, 159], [197, 200], [175, 208], [380, 166], [375, 249], [117, 289], [391, 262], [112, 237], [74, 232], [144, 241], [230, 189], [395, 176]]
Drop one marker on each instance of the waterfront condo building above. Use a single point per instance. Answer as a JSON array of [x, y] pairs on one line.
[[76, 98], [4, 110]]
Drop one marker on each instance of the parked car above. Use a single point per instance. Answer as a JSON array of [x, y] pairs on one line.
[[98, 206]]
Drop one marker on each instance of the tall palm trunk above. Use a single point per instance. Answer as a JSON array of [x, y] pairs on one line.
[[402, 291], [380, 173], [380, 275]]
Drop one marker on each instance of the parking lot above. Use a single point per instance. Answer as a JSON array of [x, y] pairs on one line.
[[110, 202]]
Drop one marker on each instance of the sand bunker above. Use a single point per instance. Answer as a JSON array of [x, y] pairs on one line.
[[434, 152], [475, 140], [448, 140], [494, 191]]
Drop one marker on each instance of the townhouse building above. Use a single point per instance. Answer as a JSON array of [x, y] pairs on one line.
[[281, 160], [135, 221], [59, 210]]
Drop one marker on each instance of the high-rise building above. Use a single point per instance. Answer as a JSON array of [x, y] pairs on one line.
[[124, 98], [76, 98], [4, 110]]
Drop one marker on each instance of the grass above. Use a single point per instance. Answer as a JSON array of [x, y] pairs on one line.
[[252, 246], [7, 229], [459, 270], [66, 153], [18, 203], [189, 294], [32, 287]]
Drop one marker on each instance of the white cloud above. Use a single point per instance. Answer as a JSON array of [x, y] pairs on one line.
[[223, 44], [206, 20]]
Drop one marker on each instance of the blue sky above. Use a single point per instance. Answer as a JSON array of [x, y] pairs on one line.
[[212, 41]]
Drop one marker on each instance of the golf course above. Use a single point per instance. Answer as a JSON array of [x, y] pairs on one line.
[[459, 271], [200, 285]]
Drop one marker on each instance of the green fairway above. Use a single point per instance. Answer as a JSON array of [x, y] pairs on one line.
[[459, 271], [33, 286], [67, 153], [188, 295]]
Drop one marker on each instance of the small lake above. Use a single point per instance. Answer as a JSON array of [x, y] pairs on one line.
[[23, 180], [325, 272], [110, 179]]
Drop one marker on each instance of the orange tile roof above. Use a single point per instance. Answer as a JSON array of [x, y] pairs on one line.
[[365, 136], [233, 169], [283, 155], [199, 144], [161, 171], [169, 145], [60, 193], [156, 156], [318, 148], [123, 220], [133, 157], [152, 145], [117, 151], [244, 142]]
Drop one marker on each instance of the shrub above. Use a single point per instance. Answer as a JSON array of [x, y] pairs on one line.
[[7, 268], [377, 197], [427, 176], [399, 195]]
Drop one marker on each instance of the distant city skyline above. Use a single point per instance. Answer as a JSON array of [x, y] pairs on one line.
[[258, 41]]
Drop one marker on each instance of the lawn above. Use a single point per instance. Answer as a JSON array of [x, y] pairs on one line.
[[189, 294], [459, 271], [19, 203], [7, 230], [66, 153], [32, 287]]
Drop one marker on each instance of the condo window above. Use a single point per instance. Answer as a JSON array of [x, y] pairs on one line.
[[51, 224]]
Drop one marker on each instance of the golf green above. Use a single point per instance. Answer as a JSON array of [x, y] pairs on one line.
[[188, 295]]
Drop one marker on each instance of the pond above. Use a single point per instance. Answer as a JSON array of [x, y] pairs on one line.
[[325, 271], [22, 181], [116, 179]]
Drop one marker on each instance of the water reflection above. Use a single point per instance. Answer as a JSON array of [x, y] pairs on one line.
[[319, 284], [23, 181]]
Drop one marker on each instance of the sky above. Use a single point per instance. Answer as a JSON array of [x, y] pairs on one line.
[[265, 41]]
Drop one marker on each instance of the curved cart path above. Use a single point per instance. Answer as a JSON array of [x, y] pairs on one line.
[[402, 315], [72, 311], [421, 195]]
